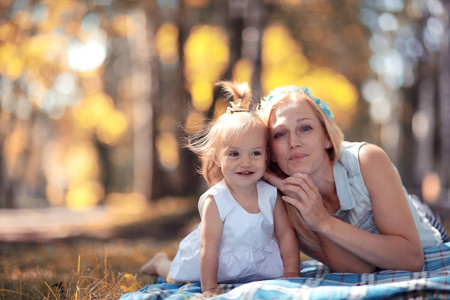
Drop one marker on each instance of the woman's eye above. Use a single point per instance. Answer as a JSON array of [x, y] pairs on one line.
[[305, 128], [278, 135]]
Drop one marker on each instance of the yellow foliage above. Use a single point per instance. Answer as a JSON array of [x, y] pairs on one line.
[[334, 88], [120, 24], [206, 57], [220, 107], [202, 94], [7, 31], [242, 70], [81, 163], [112, 128], [194, 122], [206, 54], [11, 62], [167, 147], [129, 283], [284, 64], [84, 195], [279, 46], [166, 43], [166, 122], [93, 109]]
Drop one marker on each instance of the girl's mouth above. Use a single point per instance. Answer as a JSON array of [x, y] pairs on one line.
[[245, 173]]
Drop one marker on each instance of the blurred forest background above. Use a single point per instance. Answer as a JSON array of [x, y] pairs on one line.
[[94, 94]]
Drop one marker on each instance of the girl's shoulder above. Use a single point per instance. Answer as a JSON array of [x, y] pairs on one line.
[[263, 185], [221, 195], [267, 195]]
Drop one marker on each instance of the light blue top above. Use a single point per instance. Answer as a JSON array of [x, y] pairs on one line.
[[355, 201]]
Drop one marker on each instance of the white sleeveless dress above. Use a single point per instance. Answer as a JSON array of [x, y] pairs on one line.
[[249, 250]]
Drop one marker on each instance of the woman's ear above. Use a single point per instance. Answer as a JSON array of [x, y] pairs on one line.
[[328, 144]]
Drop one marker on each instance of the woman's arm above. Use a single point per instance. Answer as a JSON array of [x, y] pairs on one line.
[[286, 240], [397, 247], [335, 257], [211, 235]]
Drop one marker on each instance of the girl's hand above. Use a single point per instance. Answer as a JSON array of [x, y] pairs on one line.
[[210, 293], [301, 192], [290, 274]]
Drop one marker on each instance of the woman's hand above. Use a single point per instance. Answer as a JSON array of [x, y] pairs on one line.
[[301, 192], [274, 178]]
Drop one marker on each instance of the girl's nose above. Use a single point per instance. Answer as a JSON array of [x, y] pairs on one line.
[[245, 161]]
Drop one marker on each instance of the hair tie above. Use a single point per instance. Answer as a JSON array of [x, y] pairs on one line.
[[292, 88]]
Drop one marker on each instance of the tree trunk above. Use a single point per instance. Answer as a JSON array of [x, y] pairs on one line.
[[145, 90], [425, 107], [444, 103]]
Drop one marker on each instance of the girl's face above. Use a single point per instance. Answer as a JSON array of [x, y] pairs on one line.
[[243, 158], [297, 139]]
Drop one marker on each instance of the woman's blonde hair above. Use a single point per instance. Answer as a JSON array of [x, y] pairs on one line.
[[287, 94], [238, 120]]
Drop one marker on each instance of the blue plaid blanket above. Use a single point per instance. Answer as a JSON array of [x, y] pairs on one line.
[[316, 282]]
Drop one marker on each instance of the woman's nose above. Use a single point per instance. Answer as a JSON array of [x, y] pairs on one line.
[[294, 142]]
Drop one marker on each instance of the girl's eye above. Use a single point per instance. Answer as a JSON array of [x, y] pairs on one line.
[[256, 153], [234, 153]]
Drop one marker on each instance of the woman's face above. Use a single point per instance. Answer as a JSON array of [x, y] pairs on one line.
[[297, 139]]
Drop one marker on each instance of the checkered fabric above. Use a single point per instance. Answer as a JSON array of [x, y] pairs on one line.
[[316, 282]]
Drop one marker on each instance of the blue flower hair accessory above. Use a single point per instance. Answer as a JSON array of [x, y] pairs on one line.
[[292, 88]]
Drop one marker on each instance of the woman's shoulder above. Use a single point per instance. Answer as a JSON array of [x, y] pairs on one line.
[[372, 154], [355, 151], [349, 155]]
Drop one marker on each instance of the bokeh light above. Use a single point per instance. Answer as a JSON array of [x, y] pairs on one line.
[[431, 187]]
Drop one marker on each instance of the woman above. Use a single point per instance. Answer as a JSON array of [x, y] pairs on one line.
[[346, 200]]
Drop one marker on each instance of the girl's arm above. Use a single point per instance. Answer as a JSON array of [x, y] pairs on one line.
[[211, 235], [286, 240], [397, 247]]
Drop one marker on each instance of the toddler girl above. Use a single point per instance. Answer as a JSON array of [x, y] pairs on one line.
[[244, 234]]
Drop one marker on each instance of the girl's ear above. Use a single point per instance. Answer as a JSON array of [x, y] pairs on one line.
[[216, 160]]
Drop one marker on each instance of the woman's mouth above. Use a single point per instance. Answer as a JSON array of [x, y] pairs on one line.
[[297, 156]]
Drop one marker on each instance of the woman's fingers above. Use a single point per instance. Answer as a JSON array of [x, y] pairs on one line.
[[273, 179], [299, 183], [293, 201]]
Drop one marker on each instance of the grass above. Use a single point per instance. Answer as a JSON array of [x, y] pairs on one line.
[[76, 269], [90, 266]]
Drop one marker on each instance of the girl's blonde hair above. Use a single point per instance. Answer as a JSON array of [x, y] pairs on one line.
[[284, 95], [237, 121]]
